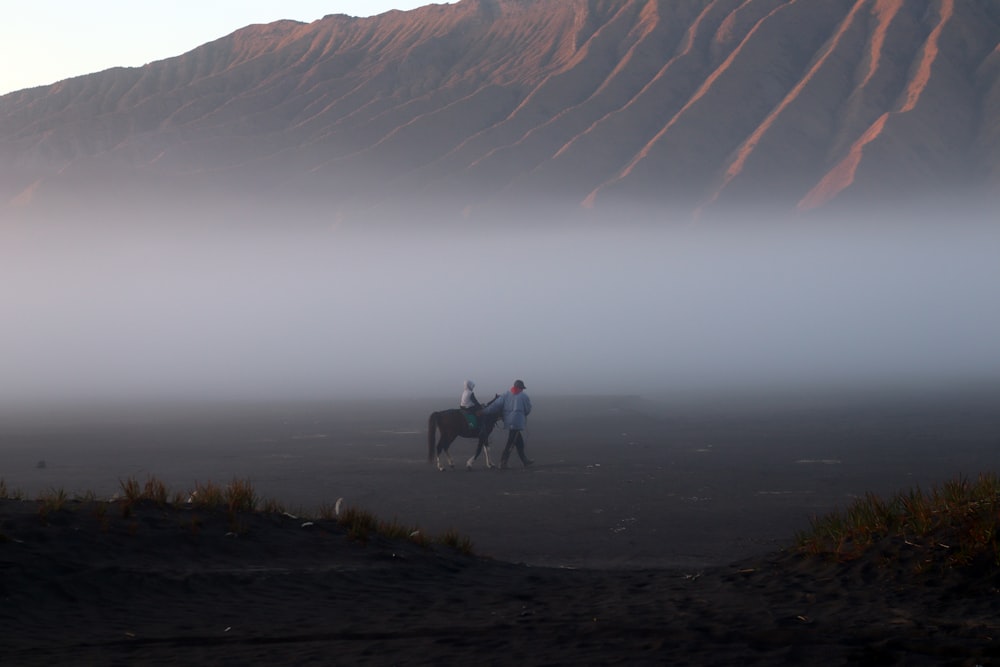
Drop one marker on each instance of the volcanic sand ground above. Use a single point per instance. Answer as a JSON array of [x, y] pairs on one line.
[[647, 529]]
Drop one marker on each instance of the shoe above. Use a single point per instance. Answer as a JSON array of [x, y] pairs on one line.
[[529, 463]]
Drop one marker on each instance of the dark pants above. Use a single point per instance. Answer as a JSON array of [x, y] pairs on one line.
[[514, 439]]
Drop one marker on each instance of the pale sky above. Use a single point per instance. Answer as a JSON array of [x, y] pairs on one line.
[[44, 41]]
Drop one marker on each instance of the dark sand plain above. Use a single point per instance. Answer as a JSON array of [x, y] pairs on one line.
[[650, 530]]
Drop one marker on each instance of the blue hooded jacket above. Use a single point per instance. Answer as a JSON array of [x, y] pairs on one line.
[[516, 407]]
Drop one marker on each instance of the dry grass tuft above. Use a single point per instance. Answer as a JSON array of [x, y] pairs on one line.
[[8, 494], [240, 496], [131, 491], [460, 543], [207, 495], [956, 525], [155, 490], [52, 500], [271, 506], [359, 523]]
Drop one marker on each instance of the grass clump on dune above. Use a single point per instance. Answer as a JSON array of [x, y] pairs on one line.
[[238, 497], [362, 524], [456, 541], [52, 500], [8, 494], [954, 525]]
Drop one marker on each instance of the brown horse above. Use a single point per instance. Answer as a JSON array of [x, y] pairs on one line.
[[452, 424]]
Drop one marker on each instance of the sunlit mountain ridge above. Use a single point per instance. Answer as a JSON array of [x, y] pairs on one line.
[[687, 106]]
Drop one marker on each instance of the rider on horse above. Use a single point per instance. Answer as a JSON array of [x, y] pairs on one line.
[[470, 405], [469, 400]]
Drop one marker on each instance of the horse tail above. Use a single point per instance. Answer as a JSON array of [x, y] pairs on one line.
[[431, 428]]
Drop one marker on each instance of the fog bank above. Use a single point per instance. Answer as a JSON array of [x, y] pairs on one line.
[[276, 312]]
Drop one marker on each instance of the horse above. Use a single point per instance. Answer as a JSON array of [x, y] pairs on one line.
[[453, 424]]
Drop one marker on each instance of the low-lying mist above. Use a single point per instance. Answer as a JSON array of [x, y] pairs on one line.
[[190, 311]]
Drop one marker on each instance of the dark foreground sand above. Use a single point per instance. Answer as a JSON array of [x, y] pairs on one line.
[[647, 533]]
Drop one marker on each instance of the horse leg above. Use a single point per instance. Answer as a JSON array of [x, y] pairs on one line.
[[484, 444], [472, 459], [437, 455], [442, 448]]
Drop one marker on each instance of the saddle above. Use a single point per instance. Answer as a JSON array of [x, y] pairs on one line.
[[471, 421]]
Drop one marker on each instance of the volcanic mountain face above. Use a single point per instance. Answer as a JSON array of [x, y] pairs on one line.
[[686, 105]]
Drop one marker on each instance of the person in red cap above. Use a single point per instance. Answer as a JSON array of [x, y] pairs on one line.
[[516, 407]]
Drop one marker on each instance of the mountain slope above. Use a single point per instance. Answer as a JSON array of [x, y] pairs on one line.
[[689, 105]]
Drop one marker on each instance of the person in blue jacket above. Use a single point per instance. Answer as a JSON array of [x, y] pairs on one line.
[[516, 407]]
